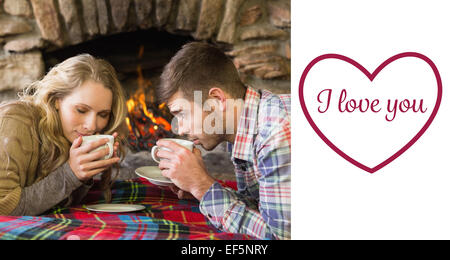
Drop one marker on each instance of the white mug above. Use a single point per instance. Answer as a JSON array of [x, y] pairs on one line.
[[186, 143], [110, 144]]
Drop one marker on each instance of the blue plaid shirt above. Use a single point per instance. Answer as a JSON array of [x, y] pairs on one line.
[[261, 154]]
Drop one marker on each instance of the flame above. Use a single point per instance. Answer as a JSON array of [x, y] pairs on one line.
[[137, 103], [129, 124], [130, 105]]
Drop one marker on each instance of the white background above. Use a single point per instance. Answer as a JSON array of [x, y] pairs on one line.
[[369, 137], [409, 198]]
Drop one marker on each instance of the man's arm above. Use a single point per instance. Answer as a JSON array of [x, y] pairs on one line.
[[229, 211], [272, 220]]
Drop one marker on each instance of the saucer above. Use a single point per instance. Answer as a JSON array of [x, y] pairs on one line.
[[153, 175], [115, 208]]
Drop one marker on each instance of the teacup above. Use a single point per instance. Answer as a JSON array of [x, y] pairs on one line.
[[185, 143], [110, 144]]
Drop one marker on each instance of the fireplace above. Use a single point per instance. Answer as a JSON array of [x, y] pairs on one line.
[[139, 58], [138, 37], [255, 34]]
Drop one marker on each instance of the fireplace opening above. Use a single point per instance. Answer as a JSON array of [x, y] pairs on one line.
[[139, 58]]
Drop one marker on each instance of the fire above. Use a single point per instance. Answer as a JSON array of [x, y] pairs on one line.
[[137, 104], [144, 125], [129, 124]]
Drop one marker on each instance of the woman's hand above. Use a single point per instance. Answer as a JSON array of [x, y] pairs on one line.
[[86, 165]]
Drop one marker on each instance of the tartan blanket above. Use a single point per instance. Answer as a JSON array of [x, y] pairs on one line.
[[165, 217]]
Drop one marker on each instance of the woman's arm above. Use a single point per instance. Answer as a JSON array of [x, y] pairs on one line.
[[17, 151], [48, 192], [19, 156]]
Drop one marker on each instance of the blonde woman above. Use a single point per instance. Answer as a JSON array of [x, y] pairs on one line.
[[42, 162]]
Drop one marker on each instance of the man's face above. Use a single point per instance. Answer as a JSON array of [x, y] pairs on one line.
[[191, 121]]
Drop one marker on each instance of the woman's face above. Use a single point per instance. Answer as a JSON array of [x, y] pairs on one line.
[[86, 111]]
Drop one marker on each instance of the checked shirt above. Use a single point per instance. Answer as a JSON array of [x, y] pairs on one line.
[[261, 154]]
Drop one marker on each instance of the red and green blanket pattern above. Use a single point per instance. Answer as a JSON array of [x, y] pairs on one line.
[[165, 217]]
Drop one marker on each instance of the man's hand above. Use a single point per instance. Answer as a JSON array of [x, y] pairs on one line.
[[181, 194], [185, 168]]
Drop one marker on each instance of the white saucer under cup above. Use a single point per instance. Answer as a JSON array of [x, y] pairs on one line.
[[153, 174], [115, 208]]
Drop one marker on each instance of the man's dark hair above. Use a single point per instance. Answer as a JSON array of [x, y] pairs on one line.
[[199, 67]]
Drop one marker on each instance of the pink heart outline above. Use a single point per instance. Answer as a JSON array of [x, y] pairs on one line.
[[371, 77]]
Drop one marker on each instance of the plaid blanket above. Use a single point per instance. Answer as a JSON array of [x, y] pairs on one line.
[[165, 217]]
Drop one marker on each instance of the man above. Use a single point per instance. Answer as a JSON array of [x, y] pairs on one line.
[[255, 122]]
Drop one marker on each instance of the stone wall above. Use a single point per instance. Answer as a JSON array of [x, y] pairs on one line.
[[254, 33]]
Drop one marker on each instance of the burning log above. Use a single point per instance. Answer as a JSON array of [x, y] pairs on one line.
[[145, 120], [146, 126]]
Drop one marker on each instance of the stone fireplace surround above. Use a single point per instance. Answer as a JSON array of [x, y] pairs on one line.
[[254, 33]]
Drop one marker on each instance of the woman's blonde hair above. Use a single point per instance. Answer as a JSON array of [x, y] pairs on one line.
[[59, 82]]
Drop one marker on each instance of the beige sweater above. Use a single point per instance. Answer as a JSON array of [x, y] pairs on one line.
[[24, 189]]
